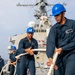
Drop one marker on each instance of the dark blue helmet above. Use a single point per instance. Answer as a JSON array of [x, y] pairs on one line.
[[13, 47], [30, 30]]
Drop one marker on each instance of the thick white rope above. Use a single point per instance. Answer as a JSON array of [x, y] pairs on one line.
[[4, 67], [18, 56], [52, 65]]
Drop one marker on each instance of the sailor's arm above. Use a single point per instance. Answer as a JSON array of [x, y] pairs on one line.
[[50, 44], [12, 63], [21, 48], [30, 51], [50, 49]]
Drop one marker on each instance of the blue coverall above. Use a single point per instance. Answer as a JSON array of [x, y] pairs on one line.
[[12, 67], [28, 60], [1, 64], [63, 36], [18, 63]]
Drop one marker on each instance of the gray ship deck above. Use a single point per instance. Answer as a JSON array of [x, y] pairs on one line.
[[39, 71]]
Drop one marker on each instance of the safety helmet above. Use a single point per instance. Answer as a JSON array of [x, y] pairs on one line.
[[13, 47], [57, 9], [30, 30], [31, 24]]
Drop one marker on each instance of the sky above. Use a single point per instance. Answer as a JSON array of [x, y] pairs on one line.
[[14, 19]]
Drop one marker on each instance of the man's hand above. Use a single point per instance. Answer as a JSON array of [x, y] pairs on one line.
[[14, 63], [59, 50], [30, 51], [51, 62]]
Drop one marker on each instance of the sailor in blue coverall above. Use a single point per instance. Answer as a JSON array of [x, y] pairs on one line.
[[17, 62], [1, 64], [62, 37], [27, 44], [12, 60]]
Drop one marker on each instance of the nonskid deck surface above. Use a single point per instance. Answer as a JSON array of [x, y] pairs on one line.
[[39, 71]]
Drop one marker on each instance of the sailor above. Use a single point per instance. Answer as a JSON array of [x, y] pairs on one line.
[[61, 39], [27, 44], [17, 62], [1, 64], [12, 60]]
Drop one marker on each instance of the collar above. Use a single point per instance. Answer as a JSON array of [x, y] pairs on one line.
[[27, 39], [65, 24]]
